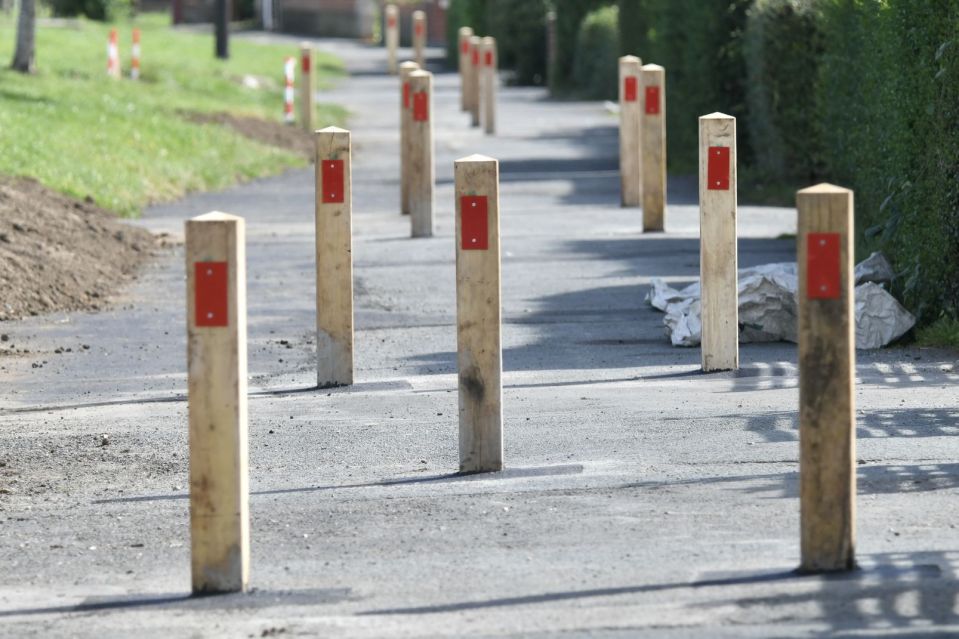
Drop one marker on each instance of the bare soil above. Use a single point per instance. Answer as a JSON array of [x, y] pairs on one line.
[[61, 254], [284, 136]]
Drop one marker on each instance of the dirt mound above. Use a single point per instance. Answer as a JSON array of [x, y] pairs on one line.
[[284, 136], [59, 254]]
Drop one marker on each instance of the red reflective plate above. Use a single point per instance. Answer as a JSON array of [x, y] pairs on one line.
[[823, 267], [630, 88], [717, 171], [476, 57], [332, 172], [210, 286], [465, 46], [419, 28], [421, 106], [652, 101], [306, 63], [391, 22], [406, 95], [489, 58], [474, 223]]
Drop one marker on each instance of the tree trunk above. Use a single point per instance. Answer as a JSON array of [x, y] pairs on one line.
[[26, 27]]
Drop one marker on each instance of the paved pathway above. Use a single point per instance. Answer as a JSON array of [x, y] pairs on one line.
[[642, 498]]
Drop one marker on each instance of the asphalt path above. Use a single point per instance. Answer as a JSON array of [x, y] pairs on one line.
[[641, 497]]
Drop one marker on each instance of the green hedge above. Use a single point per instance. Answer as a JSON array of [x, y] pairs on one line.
[[569, 17], [889, 112], [519, 29], [862, 93], [700, 45], [782, 47], [596, 63], [104, 10]]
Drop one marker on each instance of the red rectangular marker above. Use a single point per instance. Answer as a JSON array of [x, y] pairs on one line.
[[476, 58], [306, 63], [630, 88], [465, 46], [489, 58], [391, 22], [421, 106], [474, 223], [652, 101], [210, 286], [332, 173], [419, 28], [406, 95], [718, 169], [823, 266]]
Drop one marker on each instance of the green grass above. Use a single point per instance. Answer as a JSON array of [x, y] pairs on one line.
[[126, 143], [943, 332]]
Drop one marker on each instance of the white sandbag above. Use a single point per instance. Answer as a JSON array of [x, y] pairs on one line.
[[880, 318], [768, 307], [875, 268]]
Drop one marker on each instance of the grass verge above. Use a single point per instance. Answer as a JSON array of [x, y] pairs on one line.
[[943, 332], [126, 143]]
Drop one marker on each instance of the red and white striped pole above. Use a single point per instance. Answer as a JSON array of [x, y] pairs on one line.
[[113, 55], [135, 56], [290, 69]]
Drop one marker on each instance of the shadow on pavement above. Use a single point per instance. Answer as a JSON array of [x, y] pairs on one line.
[[252, 600], [783, 426], [884, 579], [871, 480], [505, 474]]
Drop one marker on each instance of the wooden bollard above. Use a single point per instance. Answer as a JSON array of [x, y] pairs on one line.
[[630, 139], [465, 33], [392, 37], [478, 312], [406, 110], [718, 274], [216, 364], [476, 44], [827, 370], [654, 147], [422, 170], [334, 258], [307, 87], [490, 64], [419, 38]]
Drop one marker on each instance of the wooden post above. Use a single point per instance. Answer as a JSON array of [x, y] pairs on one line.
[[216, 378], [478, 313], [422, 171], [406, 109], [475, 86], [490, 64], [307, 96], [718, 274], [654, 147], [392, 37], [334, 258], [465, 33], [419, 38], [827, 370], [630, 117]]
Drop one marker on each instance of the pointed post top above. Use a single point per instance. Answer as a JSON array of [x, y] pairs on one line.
[[216, 216], [717, 116], [824, 189]]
